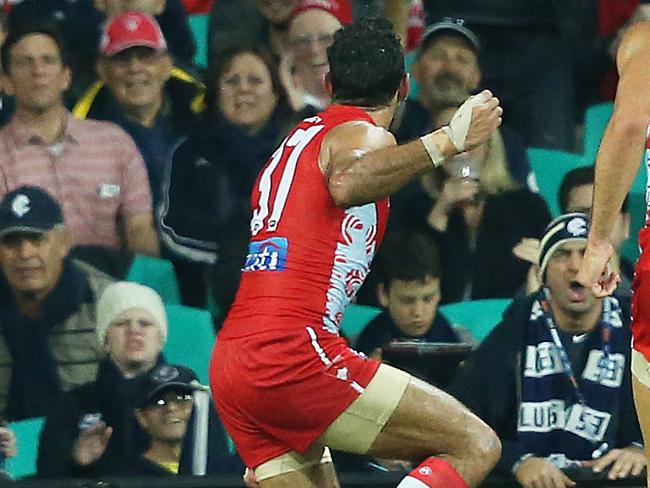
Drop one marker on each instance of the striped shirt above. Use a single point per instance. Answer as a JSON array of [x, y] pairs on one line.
[[96, 173]]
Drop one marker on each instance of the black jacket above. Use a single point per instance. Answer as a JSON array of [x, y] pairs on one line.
[[182, 102], [113, 397], [489, 383], [492, 267], [382, 330]]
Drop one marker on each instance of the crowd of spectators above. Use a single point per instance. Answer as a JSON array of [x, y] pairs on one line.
[[114, 143]]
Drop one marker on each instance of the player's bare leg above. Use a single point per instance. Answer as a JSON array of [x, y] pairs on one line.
[[428, 422], [319, 476], [642, 402]]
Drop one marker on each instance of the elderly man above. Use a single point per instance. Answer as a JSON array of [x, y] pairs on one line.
[[47, 306], [553, 378], [142, 91], [447, 70], [311, 31], [92, 431], [92, 168]]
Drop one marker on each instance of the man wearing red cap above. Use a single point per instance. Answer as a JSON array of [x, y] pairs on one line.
[[138, 79], [311, 31]]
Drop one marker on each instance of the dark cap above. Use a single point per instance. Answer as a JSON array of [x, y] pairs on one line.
[[448, 26], [571, 227], [167, 377], [29, 209]]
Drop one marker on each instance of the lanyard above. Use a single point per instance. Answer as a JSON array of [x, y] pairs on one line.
[[606, 333]]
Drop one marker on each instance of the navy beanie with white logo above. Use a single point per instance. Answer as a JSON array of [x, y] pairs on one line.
[[571, 227]]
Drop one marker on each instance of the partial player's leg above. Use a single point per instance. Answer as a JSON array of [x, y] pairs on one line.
[[428, 422], [400, 417], [322, 476], [641, 385], [314, 469]]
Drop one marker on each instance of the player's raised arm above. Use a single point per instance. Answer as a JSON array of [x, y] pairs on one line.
[[362, 164], [619, 156]]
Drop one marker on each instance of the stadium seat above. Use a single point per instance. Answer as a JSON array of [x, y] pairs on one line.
[[355, 319], [596, 119], [549, 167], [636, 208], [479, 316], [156, 273], [190, 338], [199, 26], [27, 434]]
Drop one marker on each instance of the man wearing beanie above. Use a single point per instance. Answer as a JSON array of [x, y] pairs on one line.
[[553, 377], [47, 306], [93, 430]]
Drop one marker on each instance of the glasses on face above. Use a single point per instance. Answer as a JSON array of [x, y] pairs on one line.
[[177, 399], [305, 42]]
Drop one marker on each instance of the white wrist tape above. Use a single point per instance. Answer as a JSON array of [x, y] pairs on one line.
[[432, 150], [460, 122]]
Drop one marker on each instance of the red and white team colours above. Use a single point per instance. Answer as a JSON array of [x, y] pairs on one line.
[[433, 472]]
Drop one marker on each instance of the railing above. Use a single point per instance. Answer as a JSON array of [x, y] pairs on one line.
[[348, 480]]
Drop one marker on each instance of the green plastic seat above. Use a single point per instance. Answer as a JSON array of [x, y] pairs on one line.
[[636, 208], [549, 167], [479, 316], [27, 434], [596, 119], [190, 338], [355, 319], [155, 273], [199, 26]]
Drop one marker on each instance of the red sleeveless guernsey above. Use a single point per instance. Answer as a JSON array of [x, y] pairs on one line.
[[307, 257], [641, 284]]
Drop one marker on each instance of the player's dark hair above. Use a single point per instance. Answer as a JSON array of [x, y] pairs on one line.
[[366, 63], [583, 175], [407, 256], [24, 29]]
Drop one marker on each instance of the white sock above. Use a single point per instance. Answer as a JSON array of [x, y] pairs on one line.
[[410, 482]]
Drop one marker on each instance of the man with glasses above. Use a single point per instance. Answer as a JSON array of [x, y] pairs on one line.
[[93, 430], [311, 31], [163, 411]]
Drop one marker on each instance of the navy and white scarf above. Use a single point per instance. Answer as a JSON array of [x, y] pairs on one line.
[[553, 423]]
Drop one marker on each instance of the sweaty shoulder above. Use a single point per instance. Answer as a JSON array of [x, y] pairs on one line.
[[635, 45], [352, 140]]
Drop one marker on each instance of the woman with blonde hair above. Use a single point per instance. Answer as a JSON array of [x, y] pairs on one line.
[[476, 212]]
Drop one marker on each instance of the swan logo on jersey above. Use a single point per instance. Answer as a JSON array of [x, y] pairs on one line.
[[267, 255]]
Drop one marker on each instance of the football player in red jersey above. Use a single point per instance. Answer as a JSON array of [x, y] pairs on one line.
[[285, 383]]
